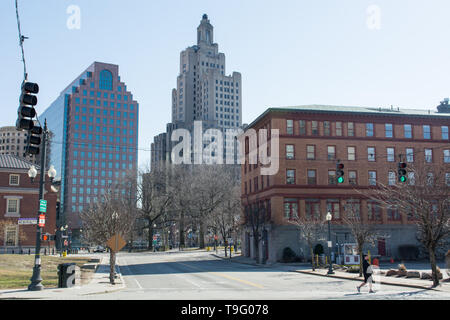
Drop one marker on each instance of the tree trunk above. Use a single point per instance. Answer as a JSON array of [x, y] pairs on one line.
[[312, 258], [112, 266], [201, 235], [434, 274], [150, 236], [181, 231], [256, 245]]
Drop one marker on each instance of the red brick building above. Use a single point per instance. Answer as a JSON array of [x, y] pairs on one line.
[[19, 205], [368, 141]]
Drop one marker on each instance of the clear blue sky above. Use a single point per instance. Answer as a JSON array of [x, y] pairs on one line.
[[288, 52]]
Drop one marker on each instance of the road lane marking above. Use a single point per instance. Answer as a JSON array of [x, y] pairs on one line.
[[225, 276]]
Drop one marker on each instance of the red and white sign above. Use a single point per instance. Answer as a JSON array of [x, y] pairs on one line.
[[41, 220]]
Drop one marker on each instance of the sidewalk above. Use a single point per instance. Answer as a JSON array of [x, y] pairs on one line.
[[98, 284], [305, 268]]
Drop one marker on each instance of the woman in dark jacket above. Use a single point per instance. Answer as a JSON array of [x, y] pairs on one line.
[[367, 272]]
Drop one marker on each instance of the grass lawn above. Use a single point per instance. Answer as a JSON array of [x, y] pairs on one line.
[[17, 269]]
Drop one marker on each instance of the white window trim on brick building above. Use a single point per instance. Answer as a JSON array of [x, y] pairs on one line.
[[9, 201]]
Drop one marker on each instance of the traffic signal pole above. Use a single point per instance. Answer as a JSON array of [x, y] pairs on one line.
[[36, 278]]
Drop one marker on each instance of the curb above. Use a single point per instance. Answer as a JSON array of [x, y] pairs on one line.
[[381, 282], [243, 262]]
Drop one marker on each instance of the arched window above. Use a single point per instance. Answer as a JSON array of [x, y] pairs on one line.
[[106, 80]]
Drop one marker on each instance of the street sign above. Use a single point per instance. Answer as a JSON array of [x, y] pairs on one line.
[[27, 221], [116, 243], [42, 205], [41, 220]]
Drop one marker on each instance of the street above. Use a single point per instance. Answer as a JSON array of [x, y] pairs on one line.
[[203, 276]]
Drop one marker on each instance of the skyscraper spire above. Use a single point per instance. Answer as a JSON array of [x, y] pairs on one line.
[[205, 32]]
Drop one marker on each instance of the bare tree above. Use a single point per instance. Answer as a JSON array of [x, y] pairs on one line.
[[362, 231], [225, 218], [425, 199], [255, 217], [107, 217], [209, 191], [311, 230], [154, 195]]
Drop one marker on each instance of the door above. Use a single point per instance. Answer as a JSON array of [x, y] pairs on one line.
[[382, 247]]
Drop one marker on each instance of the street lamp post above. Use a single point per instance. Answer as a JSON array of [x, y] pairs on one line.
[[330, 268], [36, 278]]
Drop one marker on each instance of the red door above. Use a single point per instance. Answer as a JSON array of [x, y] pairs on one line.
[[382, 247]]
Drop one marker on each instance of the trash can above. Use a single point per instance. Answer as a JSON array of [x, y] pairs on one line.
[[66, 275]]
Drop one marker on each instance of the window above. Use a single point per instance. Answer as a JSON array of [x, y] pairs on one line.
[[352, 178], [326, 128], [302, 127], [407, 129], [371, 154], [12, 206], [353, 207], [290, 126], [331, 151], [310, 152], [369, 129], [338, 128], [390, 154], [388, 131], [11, 235], [393, 213], [290, 151], [391, 178], [373, 211], [290, 176], [350, 129], [428, 155], [409, 155], [447, 178], [426, 132], [312, 209], [447, 156], [411, 178], [333, 208], [106, 79], [290, 208], [444, 132], [331, 176], [311, 177], [351, 153], [314, 128], [14, 179], [372, 178]]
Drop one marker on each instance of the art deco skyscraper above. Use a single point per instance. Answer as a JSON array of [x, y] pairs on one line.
[[204, 91]]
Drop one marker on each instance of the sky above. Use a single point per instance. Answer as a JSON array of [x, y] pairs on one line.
[[374, 53]]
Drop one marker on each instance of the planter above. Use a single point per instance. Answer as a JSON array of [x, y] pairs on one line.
[[391, 273], [401, 273], [413, 274]]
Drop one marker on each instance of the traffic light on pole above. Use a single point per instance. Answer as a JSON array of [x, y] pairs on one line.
[[26, 111], [402, 172], [34, 139], [340, 172]]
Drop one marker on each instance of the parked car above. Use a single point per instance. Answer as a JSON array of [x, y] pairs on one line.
[[99, 249]]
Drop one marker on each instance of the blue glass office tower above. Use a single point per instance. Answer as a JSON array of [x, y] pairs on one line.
[[94, 122]]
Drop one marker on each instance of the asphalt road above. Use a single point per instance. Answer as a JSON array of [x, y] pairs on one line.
[[202, 276]]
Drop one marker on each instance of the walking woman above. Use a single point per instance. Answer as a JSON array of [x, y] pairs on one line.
[[367, 272]]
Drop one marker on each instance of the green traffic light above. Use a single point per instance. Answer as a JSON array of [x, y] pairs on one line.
[[402, 179], [340, 180]]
